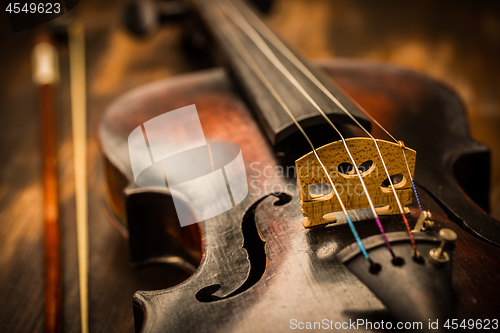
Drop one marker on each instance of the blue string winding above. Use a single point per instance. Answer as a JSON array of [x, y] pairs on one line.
[[416, 195], [358, 240]]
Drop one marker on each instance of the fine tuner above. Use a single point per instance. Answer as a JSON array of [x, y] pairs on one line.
[[438, 255]]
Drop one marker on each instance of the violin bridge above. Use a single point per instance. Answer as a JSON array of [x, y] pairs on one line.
[[319, 202]]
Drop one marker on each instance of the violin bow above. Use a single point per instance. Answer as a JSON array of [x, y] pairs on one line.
[[45, 76], [79, 119]]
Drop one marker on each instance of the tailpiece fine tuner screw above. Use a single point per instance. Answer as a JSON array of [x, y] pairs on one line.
[[438, 256]]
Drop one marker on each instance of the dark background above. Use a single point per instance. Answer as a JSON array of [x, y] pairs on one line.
[[457, 42]]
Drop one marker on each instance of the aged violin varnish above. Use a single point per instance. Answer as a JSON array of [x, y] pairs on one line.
[[350, 251]]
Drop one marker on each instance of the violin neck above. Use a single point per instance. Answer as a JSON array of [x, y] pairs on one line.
[[265, 68]]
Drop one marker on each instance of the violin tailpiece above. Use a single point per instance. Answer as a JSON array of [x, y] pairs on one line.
[[320, 208], [412, 290]]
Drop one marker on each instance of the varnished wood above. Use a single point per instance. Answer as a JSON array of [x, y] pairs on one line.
[[287, 243], [45, 75], [53, 288]]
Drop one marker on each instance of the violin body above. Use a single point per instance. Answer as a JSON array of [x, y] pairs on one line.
[[256, 267]]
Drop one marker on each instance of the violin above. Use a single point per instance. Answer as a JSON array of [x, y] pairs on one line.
[[357, 186]]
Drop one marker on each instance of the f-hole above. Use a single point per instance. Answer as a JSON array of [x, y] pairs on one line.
[[256, 249]]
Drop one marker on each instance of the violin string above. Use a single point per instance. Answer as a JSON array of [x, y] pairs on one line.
[[258, 72], [271, 37], [294, 60], [265, 31], [264, 48], [403, 147]]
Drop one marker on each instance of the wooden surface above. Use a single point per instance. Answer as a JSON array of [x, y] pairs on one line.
[[457, 42]]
